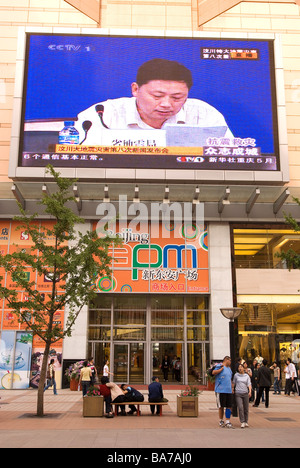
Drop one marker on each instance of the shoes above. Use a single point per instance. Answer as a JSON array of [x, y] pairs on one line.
[[243, 426], [109, 415], [228, 426], [132, 412], [221, 423]]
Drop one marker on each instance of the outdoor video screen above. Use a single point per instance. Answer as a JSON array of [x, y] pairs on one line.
[[141, 102]]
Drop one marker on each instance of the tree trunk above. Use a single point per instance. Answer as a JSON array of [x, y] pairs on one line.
[[40, 398]]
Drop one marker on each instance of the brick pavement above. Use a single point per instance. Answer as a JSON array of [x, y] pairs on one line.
[[64, 426]]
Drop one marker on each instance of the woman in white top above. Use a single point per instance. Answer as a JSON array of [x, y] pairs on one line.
[[242, 390], [106, 372]]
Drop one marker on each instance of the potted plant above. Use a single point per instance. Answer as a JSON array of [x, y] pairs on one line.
[[93, 403], [73, 374], [187, 402]]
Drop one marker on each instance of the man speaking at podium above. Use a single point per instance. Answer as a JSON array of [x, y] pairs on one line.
[[159, 99]]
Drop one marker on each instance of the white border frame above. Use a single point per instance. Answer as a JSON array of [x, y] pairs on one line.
[[16, 172]]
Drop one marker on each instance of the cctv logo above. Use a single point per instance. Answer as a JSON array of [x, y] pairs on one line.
[[64, 47]]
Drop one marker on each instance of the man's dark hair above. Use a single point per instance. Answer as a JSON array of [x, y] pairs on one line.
[[162, 69]]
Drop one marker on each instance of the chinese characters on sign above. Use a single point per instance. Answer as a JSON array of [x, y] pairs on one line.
[[227, 53]]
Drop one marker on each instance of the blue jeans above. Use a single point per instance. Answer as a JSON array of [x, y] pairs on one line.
[[85, 386], [51, 383], [277, 385]]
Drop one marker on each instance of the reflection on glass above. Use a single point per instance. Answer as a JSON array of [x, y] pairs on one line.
[[197, 333], [197, 317], [99, 317], [165, 334], [99, 333], [163, 317], [128, 334], [167, 303], [130, 317]]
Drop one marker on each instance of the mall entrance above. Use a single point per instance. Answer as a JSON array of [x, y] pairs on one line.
[[137, 333]]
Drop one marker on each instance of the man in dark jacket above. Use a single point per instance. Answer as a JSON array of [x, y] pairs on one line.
[[132, 394], [264, 383], [155, 394]]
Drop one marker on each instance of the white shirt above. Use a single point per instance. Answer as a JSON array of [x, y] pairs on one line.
[[291, 371], [105, 371], [122, 113]]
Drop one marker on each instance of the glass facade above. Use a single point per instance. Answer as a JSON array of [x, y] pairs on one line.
[[269, 326], [136, 332]]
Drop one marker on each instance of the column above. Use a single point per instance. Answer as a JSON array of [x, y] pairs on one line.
[[220, 277], [75, 346]]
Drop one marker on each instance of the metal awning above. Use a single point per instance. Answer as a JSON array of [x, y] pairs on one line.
[[221, 202]]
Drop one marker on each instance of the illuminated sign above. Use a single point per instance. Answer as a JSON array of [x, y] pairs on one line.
[[149, 102]]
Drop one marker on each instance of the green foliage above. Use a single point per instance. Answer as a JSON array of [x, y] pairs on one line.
[[73, 259], [291, 257]]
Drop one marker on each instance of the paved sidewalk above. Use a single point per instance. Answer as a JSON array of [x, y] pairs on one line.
[[64, 425]]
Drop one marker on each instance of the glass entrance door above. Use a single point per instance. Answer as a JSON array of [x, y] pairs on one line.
[[171, 353], [129, 363]]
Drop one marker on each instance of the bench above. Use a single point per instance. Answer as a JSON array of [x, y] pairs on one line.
[[141, 403]]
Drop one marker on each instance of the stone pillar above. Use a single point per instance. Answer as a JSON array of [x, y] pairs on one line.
[[220, 276], [75, 346]]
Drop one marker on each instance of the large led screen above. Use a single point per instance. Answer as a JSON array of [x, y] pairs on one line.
[[141, 102]]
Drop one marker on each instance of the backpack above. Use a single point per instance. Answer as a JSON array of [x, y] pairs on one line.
[[210, 370]]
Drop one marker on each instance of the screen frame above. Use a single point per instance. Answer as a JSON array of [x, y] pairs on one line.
[[138, 174]]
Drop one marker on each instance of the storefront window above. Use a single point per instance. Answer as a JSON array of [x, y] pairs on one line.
[[260, 248]]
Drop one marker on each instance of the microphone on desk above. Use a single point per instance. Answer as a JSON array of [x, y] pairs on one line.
[[86, 125], [100, 111]]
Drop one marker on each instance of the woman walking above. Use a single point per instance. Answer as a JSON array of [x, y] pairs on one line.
[[243, 390]]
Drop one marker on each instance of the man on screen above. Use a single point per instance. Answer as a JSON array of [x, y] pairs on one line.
[[159, 98]]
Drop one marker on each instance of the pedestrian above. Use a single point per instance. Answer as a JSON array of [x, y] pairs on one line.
[[131, 394], [277, 377], [223, 390], [178, 369], [290, 377], [264, 383], [242, 390], [105, 391], [106, 372], [165, 367], [85, 378], [155, 395], [93, 369], [117, 396], [254, 370], [51, 377]]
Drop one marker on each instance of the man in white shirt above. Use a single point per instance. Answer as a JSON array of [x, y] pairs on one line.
[[159, 98]]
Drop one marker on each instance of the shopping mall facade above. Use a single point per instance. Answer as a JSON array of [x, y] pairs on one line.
[[202, 223]]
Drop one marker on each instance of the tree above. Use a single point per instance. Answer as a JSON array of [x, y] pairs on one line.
[[291, 257], [70, 262]]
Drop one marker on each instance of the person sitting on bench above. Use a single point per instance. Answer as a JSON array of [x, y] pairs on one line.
[[131, 394], [117, 395], [155, 394]]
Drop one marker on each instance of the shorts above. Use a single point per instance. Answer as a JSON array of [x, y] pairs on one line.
[[224, 400]]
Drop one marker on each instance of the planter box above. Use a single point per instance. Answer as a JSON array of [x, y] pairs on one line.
[[187, 406], [93, 406], [210, 385], [74, 385]]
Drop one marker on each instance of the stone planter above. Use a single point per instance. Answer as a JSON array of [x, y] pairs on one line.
[[187, 406], [93, 406]]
